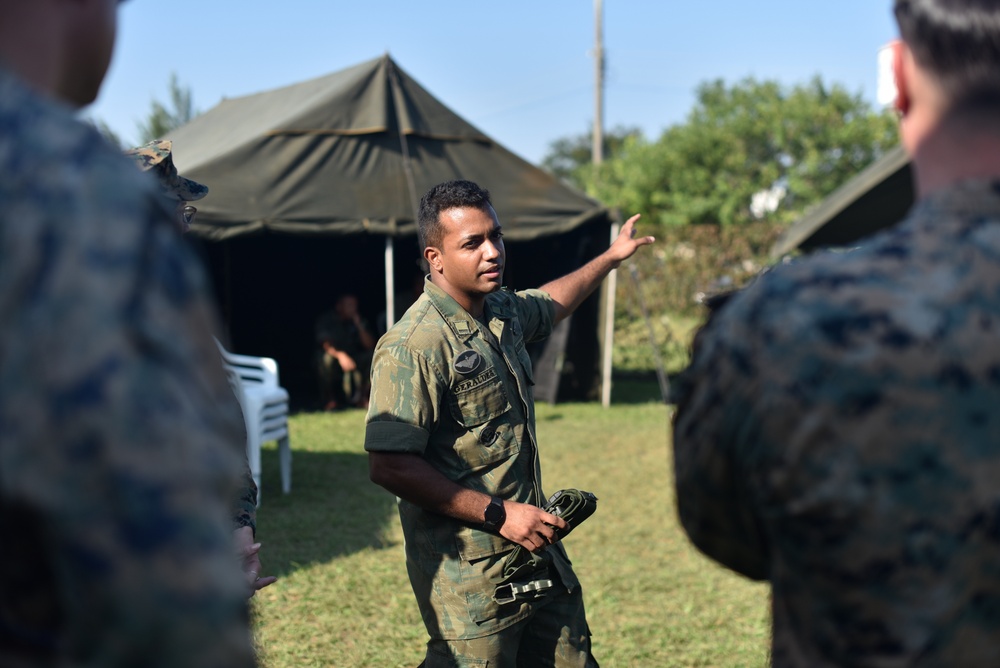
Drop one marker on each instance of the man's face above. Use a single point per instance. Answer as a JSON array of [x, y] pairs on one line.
[[347, 307], [184, 214], [469, 263], [91, 45]]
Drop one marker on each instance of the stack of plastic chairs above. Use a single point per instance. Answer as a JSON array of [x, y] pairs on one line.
[[265, 410]]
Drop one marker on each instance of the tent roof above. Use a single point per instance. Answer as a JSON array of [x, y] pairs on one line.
[[878, 197], [352, 152]]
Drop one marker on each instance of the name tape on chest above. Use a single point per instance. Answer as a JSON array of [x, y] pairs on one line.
[[486, 376]]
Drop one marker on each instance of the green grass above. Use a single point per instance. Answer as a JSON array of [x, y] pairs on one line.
[[343, 599]]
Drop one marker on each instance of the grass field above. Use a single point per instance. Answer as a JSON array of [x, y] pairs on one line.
[[343, 599]]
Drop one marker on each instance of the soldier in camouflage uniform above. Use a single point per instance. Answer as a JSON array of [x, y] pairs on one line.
[[451, 431], [344, 355], [116, 422], [156, 157], [837, 432]]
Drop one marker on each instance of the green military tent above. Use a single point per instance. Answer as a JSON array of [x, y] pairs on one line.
[[313, 191], [878, 197]]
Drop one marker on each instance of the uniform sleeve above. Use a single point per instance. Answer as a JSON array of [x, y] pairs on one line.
[[536, 312], [122, 443], [405, 401], [714, 434], [245, 505]]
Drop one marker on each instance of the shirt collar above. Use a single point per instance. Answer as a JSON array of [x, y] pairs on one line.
[[459, 320]]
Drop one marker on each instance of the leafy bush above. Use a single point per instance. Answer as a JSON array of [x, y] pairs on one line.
[[685, 265]]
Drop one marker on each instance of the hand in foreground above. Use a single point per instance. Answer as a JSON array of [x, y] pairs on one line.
[[626, 244], [530, 526], [248, 553]]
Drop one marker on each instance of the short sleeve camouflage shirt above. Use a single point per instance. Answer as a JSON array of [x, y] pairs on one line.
[[837, 433], [459, 394]]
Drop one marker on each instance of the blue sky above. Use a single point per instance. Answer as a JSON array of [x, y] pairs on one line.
[[520, 71]]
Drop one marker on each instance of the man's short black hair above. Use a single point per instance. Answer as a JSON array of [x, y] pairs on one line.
[[444, 196], [959, 42]]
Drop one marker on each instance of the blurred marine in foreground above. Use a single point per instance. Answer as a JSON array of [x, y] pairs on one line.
[[117, 424], [156, 157], [837, 432]]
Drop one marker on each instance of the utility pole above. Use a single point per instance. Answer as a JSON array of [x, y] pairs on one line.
[[597, 150], [597, 157]]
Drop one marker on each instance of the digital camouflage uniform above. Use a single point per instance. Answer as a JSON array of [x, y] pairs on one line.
[[156, 157], [445, 389], [838, 434], [117, 424]]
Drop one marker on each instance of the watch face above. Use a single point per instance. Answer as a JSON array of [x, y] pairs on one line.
[[494, 513]]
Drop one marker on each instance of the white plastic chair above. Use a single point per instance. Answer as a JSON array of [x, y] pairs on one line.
[[265, 410]]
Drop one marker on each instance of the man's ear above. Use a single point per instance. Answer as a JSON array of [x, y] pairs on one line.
[[433, 257], [900, 53]]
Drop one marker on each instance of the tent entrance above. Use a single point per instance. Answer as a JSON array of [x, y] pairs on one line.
[[272, 287]]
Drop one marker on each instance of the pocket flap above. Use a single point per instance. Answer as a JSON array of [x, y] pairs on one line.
[[478, 400], [474, 544]]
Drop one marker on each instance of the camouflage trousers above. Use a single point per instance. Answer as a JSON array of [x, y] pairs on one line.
[[556, 635]]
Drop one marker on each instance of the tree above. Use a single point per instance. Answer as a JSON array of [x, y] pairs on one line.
[[568, 154], [755, 142], [162, 120]]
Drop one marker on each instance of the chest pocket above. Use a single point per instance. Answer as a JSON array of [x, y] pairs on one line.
[[482, 410]]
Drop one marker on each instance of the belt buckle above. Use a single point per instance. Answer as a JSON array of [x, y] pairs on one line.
[[504, 599]]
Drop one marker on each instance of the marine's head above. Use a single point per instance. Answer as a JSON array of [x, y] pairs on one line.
[[946, 65], [157, 157], [61, 48]]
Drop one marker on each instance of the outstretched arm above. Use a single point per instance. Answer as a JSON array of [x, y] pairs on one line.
[[410, 477], [569, 291]]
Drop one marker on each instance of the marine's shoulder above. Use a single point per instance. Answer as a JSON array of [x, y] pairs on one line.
[[828, 277], [935, 235]]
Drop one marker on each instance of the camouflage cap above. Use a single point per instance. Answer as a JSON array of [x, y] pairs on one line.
[[156, 156]]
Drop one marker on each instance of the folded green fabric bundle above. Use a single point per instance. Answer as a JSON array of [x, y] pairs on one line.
[[522, 575], [573, 506]]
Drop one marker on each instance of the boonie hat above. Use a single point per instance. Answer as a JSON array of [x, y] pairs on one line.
[[156, 156]]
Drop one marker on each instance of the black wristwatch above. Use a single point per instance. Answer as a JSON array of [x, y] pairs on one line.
[[495, 515]]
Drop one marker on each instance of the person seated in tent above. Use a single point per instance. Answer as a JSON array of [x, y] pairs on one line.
[[156, 157], [345, 354]]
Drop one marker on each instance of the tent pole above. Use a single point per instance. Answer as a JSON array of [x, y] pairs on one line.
[[390, 288], [609, 328]]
